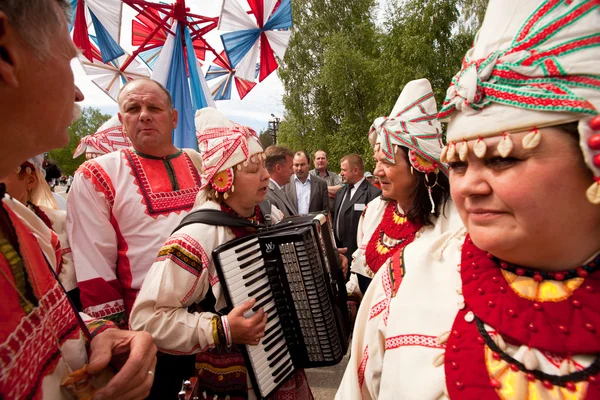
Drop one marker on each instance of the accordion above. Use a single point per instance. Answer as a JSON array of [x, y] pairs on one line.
[[292, 270]]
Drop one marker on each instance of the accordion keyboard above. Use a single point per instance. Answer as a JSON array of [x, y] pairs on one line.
[[246, 277]]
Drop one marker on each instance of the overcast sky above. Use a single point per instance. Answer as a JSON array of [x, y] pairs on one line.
[[254, 111]]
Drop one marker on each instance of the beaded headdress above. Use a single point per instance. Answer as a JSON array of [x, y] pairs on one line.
[[224, 145], [534, 64], [412, 124]]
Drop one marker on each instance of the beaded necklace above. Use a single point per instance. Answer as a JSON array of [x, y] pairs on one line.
[[393, 233], [555, 313], [243, 231]]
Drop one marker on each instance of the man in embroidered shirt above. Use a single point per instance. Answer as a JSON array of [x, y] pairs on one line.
[[123, 205], [307, 192]]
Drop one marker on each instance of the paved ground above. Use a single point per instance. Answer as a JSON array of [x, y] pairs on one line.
[[325, 381]]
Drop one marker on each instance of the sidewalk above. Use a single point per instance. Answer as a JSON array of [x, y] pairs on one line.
[[324, 381]]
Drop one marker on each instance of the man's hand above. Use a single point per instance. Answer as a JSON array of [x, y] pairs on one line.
[[246, 330], [133, 354], [343, 260], [332, 190]]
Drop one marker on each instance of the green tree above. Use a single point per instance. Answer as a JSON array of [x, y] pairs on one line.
[[266, 138], [326, 74], [90, 121], [341, 71]]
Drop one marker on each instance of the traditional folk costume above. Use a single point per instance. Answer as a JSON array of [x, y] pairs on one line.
[[383, 228], [184, 274], [42, 339], [121, 208], [445, 319]]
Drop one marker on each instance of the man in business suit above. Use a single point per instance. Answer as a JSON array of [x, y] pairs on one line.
[[279, 164], [350, 201], [306, 192]]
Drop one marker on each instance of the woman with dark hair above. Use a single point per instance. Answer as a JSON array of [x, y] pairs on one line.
[[407, 146]]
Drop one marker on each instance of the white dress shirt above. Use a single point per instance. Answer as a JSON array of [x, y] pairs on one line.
[[303, 194]]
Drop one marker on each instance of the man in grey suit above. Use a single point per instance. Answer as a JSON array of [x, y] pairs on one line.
[[279, 164], [306, 192], [350, 202]]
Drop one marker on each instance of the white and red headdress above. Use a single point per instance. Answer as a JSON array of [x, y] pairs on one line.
[[412, 124], [534, 64], [108, 138], [224, 145]]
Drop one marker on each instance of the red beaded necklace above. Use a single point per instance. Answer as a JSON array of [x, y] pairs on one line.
[[562, 326], [243, 231], [395, 226]]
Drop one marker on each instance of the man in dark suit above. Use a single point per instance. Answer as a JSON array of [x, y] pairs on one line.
[[350, 202], [306, 192], [279, 164]]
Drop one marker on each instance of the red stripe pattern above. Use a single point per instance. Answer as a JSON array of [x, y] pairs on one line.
[[529, 73], [395, 342], [217, 145]]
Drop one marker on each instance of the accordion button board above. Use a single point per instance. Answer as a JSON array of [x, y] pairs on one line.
[[293, 273]]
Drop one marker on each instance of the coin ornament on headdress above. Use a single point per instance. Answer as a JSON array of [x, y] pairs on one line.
[[533, 65]]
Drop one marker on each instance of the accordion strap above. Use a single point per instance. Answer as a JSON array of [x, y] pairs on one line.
[[221, 218]]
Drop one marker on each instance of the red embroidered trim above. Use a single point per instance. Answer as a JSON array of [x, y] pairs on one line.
[[163, 203], [362, 367], [100, 179], [396, 271], [412, 340], [31, 351], [378, 308], [404, 233]]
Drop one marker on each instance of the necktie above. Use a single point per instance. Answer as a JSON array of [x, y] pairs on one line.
[[345, 201]]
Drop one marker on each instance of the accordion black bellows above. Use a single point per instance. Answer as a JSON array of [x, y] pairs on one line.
[[292, 270]]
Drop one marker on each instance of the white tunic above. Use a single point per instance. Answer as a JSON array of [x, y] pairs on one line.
[[181, 276], [121, 209], [394, 339], [399, 340]]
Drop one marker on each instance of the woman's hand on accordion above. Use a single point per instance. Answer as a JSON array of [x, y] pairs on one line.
[[247, 330]]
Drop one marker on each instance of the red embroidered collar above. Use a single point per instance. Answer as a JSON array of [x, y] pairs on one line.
[[559, 317], [393, 233]]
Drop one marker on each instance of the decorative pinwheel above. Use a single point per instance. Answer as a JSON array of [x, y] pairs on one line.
[[109, 76], [225, 76], [268, 35], [171, 40], [105, 17]]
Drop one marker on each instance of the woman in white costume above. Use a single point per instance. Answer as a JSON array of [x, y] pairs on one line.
[[507, 307], [406, 148], [234, 181]]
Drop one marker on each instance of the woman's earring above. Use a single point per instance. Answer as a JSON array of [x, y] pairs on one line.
[[412, 170]]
